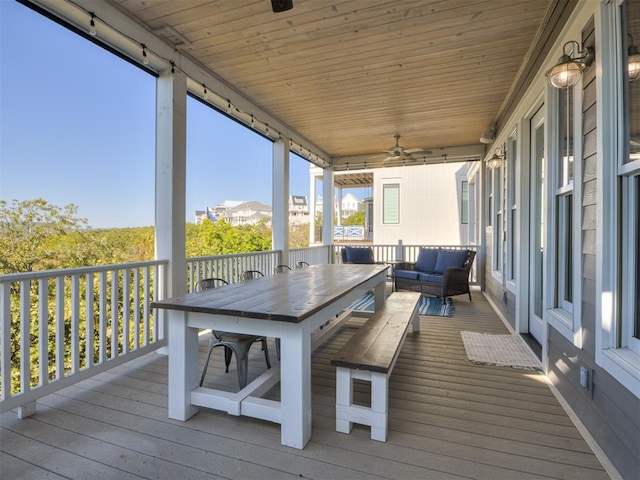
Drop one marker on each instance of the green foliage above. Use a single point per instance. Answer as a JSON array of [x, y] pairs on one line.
[[219, 238], [355, 219], [31, 232]]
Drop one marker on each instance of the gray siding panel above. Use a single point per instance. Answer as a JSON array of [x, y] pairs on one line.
[[608, 410]]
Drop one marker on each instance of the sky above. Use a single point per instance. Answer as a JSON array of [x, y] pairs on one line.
[[77, 125]]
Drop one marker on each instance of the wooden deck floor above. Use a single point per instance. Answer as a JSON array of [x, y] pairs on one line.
[[449, 419]]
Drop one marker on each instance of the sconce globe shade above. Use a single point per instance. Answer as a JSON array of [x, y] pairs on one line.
[[633, 65], [494, 161], [566, 73]]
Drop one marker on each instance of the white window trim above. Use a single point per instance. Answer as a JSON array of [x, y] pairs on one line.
[[497, 254], [511, 208], [565, 318], [621, 363]]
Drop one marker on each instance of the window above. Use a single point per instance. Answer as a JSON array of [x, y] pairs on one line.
[[563, 201], [464, 203], [490, 197], [630, 203], [498, 226], [391, 203], [512, 248], [618, 335]]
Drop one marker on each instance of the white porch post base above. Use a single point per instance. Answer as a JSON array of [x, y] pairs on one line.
[[26, 410]]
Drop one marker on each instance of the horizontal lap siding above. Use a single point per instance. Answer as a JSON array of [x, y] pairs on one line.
[[609, 411]]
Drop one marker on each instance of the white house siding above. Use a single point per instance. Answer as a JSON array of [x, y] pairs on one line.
[[429, 205]]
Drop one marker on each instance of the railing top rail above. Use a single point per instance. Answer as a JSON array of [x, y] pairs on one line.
[[17, 277]]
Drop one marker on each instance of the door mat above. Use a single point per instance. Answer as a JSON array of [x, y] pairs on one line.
[[428, 305], [501, 350]]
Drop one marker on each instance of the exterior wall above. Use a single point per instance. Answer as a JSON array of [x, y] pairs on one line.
[[609, 410], [429, 205]]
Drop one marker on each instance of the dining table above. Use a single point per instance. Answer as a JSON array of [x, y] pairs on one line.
[[288, 307]]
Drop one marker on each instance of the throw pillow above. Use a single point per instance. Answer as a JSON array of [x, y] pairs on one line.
[[359, 255], [450, 258], [426, 261]]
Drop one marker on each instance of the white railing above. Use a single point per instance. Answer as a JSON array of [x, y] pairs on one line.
[[310, 255], [348, 232], [58, 327], [408, 253], [230, 267]]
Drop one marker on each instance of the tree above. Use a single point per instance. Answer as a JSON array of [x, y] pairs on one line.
[[30, 234], [354, 219]]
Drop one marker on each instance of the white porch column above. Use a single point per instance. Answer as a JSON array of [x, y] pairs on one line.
[[280, 218], [171, 148], [312, 210], [339, 204], [327, 207]]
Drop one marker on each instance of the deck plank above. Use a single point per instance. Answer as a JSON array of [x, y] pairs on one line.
[[448, 419]]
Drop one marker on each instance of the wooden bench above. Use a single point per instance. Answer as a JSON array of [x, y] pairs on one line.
[[370, 355]]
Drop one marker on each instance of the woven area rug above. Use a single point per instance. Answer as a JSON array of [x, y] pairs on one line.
[[428, 305], [501, 350]]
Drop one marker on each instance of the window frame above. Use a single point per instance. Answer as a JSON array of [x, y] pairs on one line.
[[386, 188], [511, 268], [564, 224], [612, 353]]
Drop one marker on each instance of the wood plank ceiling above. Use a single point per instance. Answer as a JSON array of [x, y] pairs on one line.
[[350, 74]]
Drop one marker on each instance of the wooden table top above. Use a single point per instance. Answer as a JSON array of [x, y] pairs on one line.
[[286, 297]]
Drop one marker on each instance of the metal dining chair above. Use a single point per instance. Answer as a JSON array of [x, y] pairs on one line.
[[302, 264], [238, 343], [282, 269], [250, 275]]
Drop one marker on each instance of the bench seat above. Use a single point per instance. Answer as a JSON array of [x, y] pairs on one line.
[[370, 355]]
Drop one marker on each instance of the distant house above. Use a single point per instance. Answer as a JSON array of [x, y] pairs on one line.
[[252, 212], [298, 210], [350, 204], [248, 213]]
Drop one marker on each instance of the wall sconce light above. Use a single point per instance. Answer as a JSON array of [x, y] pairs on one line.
[[496, 159], [566, 73], [633, 60]]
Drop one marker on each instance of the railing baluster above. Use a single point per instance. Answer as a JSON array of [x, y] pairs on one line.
[[126, 305], [147, 294], [59, 321], [5, 335], [102, 336], [75, 324], [25, 336], [43, 331], [115, 290], [136, 311], [90, 324]]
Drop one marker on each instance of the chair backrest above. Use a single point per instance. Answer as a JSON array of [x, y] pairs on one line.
[[282, 269], [208, 283], [250, 275], [302, 264], [357, 255], [471, 254]]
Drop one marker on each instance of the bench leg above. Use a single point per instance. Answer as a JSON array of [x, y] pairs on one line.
[[379, 406], [344, 399], [347, 413]]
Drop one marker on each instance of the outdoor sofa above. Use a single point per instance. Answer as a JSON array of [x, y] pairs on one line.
[[441, 272]]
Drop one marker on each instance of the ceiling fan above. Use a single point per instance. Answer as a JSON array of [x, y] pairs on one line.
[[398, 152]]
